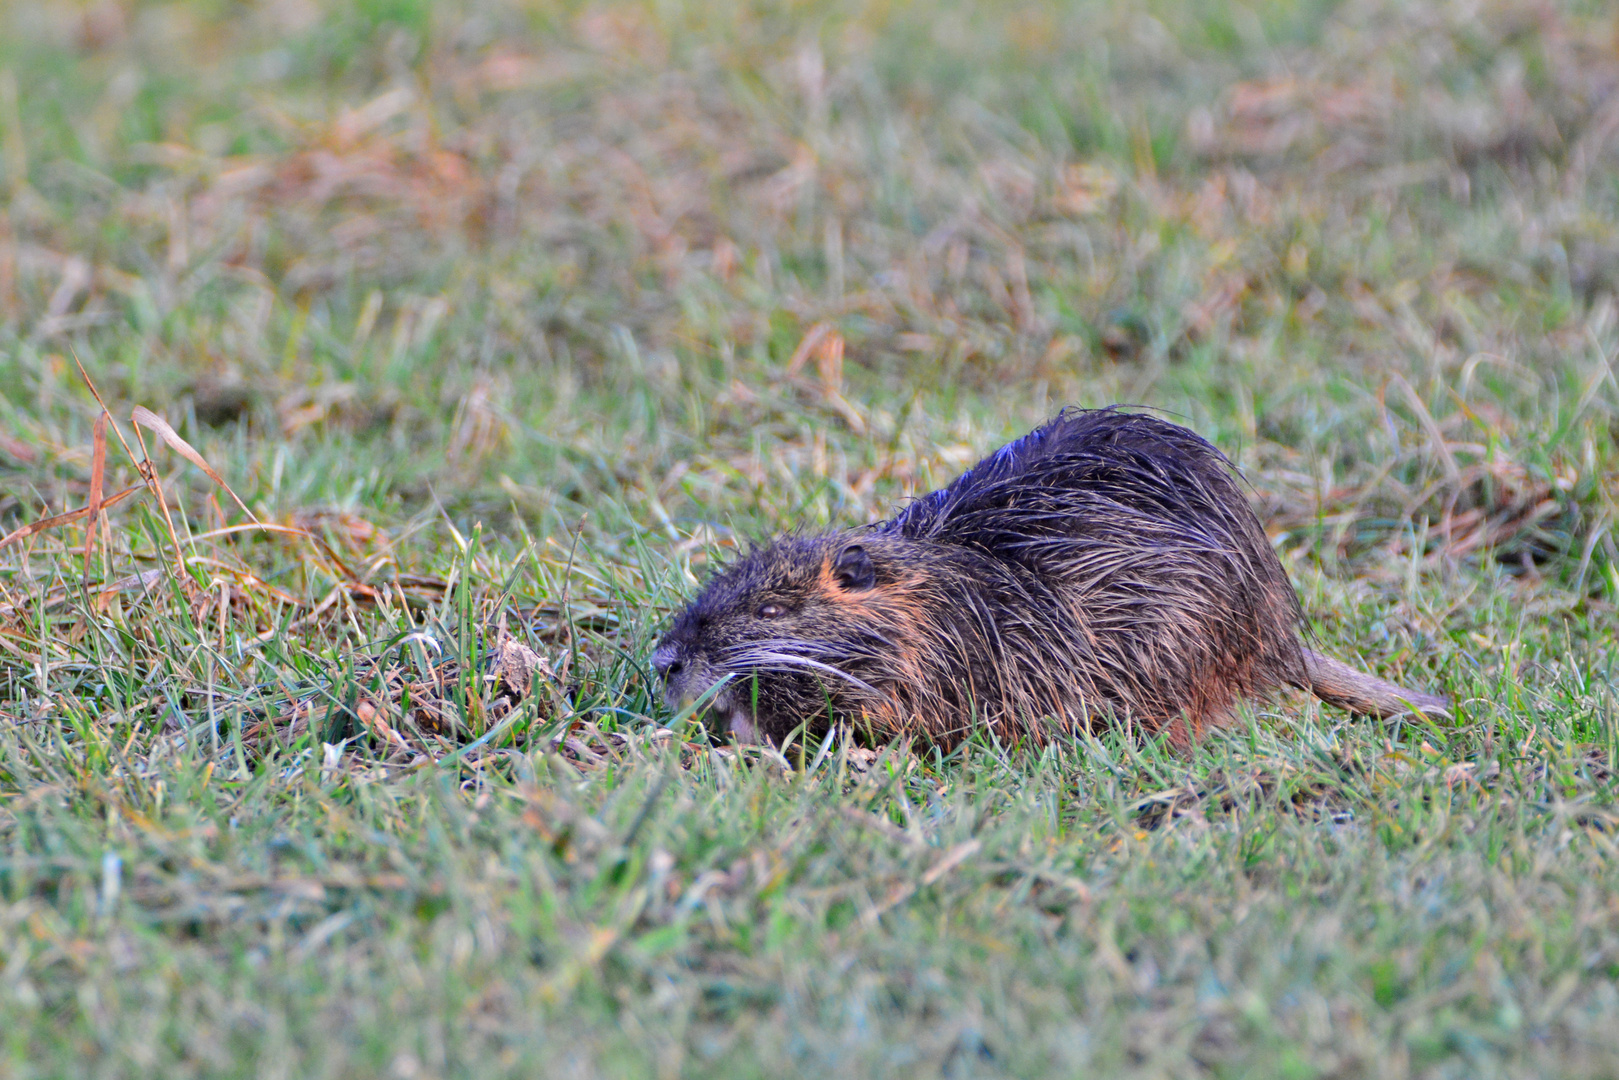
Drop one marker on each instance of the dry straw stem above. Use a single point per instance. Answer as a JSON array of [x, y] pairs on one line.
[[98, 467], [144, 417], [68, 517]]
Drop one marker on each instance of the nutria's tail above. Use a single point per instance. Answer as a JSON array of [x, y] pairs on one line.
[[1336, 683]]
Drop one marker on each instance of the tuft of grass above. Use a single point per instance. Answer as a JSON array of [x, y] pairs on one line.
[[507, 322]]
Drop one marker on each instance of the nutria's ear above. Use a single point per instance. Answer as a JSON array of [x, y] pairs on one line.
[[853, 569]]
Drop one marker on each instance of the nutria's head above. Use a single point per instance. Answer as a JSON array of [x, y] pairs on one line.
[[794, 623]]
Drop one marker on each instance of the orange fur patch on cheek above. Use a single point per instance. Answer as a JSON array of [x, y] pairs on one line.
[[897, 604], [899, 609], [895, 609], [827, 587]]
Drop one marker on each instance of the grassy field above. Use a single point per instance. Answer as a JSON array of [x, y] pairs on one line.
[[500, 321]]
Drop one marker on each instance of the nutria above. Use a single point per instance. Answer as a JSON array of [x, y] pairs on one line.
[[1106, 565]]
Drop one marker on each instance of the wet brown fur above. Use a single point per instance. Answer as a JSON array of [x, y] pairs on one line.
[[1105, 565]]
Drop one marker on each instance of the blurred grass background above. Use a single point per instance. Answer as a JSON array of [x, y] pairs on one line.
[[528, 310]]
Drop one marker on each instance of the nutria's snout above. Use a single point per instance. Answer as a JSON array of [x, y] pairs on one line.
[[687, 677], [666, 661], [683, 679]]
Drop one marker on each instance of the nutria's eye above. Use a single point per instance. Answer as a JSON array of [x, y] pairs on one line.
[[771, 611]]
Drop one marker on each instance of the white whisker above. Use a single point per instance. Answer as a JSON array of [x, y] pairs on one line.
[[757, 658]]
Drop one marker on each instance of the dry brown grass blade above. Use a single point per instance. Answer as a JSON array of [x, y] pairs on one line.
[[105, 412], [347, 572], [98, 471], [316, 612], [151, 421], [344, 570], [248, 580], [65, 518], [149, 474], [260, 526], [807, 346], [18, 449]]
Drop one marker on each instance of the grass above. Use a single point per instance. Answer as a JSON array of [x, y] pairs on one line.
[[506, 321]]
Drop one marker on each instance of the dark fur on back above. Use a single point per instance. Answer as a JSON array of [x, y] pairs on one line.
[[1106, 564]]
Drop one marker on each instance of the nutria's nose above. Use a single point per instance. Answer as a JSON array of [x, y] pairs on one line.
[[666, 662]]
